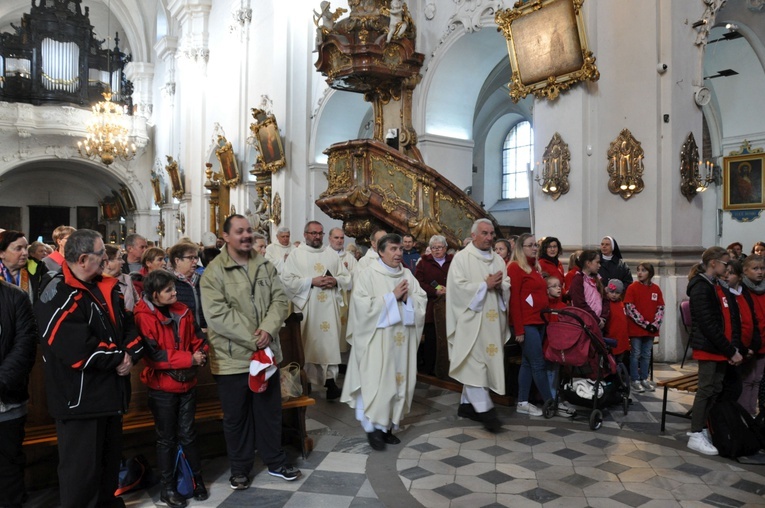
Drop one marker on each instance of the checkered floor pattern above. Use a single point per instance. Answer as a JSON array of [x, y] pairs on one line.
[[445, 461]]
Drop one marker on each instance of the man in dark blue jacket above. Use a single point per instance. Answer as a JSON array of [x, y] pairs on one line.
[[89, 345], [18, 341]]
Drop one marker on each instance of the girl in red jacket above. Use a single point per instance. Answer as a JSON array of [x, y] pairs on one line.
[[616, 326], [175, 347], [752, 291], [528, 296], [645, 308]]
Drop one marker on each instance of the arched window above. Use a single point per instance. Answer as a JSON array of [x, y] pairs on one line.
[[517, 156]]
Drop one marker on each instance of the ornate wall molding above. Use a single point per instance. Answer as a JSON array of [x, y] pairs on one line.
[[474, 14], [755, 5]]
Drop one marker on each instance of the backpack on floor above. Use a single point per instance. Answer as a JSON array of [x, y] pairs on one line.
[[134, 474], [733, 430]]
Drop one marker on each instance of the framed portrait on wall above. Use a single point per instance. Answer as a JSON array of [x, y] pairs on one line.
[[228, 165], [743, 182], [268, 141], [547, 47]]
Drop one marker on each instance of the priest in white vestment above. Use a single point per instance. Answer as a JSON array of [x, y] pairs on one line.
[[337, 244], [385, 323], [313, 277], [371, 256], [477, 295], [278, 251]]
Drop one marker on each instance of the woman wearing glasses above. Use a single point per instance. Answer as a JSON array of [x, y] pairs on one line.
[[184, 258]]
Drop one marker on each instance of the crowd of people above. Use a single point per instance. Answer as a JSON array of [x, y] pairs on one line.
[[97, 310]]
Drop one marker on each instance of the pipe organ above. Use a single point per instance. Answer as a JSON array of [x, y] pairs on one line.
[[54, 56]]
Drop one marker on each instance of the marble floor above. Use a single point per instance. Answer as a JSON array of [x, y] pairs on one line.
[[445, 461]]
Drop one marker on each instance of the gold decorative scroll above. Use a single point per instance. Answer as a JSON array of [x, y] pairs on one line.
[[625, 165]]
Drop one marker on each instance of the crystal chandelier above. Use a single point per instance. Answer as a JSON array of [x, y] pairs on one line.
[[107, 137]]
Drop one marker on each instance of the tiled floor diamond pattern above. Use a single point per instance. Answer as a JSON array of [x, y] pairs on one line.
[[537, 465]]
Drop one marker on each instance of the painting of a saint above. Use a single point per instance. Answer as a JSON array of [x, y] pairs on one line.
[[743, 182]]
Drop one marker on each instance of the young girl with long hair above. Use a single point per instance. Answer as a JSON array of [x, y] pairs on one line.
[[528, 296], [644, 303], [586, 291], [716, 339]]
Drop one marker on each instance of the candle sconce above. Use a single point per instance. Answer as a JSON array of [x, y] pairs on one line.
[[553, 176], [625, 165], [695, 175]]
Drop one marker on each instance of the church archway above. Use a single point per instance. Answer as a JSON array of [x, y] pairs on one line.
[[341, 116]]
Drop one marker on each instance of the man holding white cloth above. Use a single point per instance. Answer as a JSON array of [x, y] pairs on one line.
[[386, 317], [477, 293]]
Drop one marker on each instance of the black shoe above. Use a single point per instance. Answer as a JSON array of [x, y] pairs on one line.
[[171, 498], [239, 482], [286, 472], [467, 411], [389, 438], [376, 440], [200, 491], [490, 420], [333, 391]]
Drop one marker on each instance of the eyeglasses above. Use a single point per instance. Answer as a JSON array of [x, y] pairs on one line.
[[315, 233], [99, 253], [193, 258], [530, 246], [437, 247], [725, 263]]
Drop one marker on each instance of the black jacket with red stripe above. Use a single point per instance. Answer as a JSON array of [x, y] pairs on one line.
[[83, 341]]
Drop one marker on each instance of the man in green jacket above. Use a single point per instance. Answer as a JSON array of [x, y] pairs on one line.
[[245, 306]]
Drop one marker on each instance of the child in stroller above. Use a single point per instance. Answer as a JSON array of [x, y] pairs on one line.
[[575, 343]]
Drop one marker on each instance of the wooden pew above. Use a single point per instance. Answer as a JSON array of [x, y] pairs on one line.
[[40, 429], [688, 382]]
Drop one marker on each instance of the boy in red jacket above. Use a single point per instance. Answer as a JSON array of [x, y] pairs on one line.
[[175, 347]]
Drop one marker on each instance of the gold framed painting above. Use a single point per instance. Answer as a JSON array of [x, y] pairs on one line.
[[156, 185], [176, 179], [743, 182], [547, 47], [227, 159], [268, 141], [127, 196]]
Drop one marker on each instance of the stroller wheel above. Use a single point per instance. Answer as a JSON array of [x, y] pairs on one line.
[[549, 409], [596, 419]]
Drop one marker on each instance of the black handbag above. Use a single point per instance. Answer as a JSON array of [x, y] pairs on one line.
[[182, 375]]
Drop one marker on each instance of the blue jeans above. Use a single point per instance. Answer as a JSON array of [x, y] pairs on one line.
[[533, 365], [640, 357]]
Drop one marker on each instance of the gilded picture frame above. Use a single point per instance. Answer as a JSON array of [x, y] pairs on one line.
[[547, 47], [268, 141], [127, 197], [743, 182], [176, 179], [156, 185], [228, 165]]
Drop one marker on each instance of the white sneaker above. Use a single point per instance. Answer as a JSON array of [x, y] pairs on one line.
[[562, 404], [524, 408], [564, 410], [637, 387], [705, 433], [649, 386], [697, 442]]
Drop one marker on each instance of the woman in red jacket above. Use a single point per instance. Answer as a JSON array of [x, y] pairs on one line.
[[175, 347], [753, 293], [549, 264], [528, 296]]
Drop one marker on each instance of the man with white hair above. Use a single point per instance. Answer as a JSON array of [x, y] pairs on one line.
[[278, 251], [313, 277], [371, 256], [477, 294]]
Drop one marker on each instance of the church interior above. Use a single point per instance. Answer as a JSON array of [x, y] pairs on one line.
[[569, 118]]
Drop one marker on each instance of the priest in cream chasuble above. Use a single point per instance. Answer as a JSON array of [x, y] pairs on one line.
[[337, 243], [477, 294], [386, 317], [371, 256], [313, 277], [278, 251]]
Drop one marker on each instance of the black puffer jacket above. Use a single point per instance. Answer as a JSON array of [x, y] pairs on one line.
[[18, 343], [83, 341], [707, 326]]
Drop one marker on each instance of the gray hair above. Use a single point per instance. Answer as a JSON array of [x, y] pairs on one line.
[[259, 236], [339, 229], [437, 239], [80, 242], [130, 240], [480, 221], [283, 229]]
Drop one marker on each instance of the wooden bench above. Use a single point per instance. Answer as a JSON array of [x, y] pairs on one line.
[[293, 409], [689, 383]]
